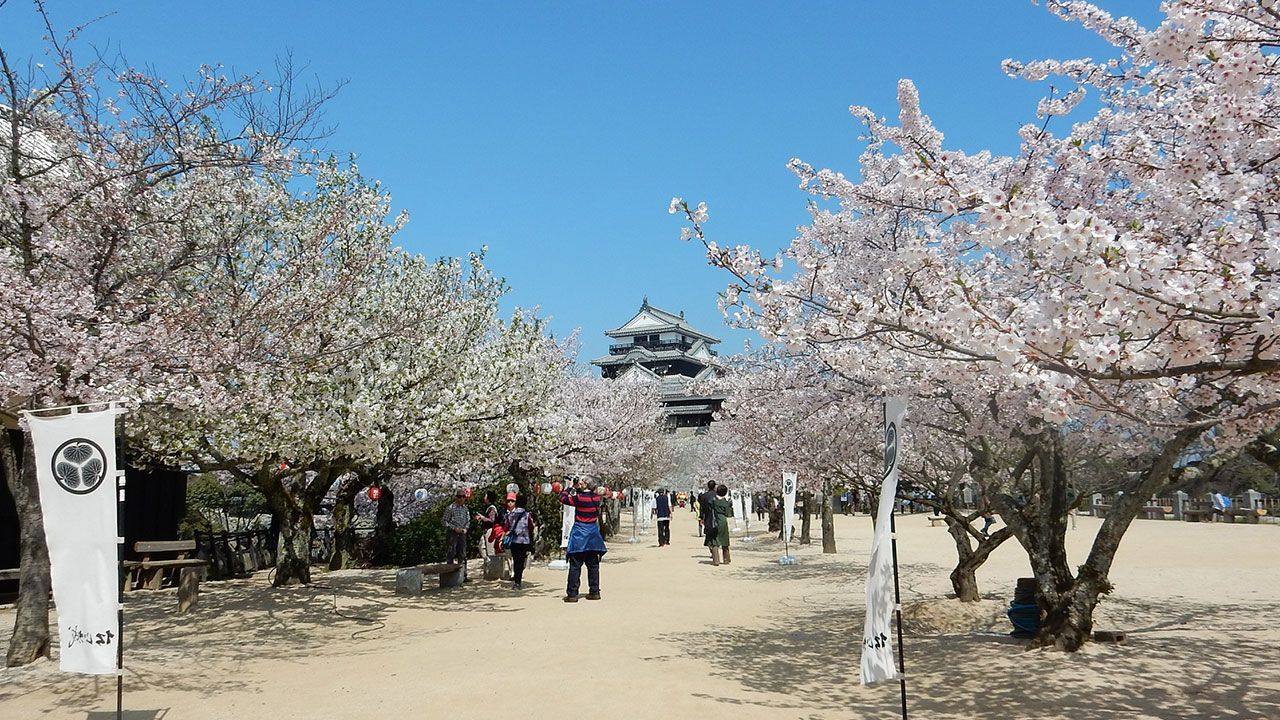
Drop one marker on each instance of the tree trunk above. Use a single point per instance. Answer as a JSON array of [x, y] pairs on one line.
[[775, 520], [828, 521], [344, 510], [293, 508], [384, 524], [964, 577], [293, 550], [30, 640], [1067, 601], [805, 537]]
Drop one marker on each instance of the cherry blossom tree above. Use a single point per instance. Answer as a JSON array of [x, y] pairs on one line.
[[1118, 272], [104, 169]]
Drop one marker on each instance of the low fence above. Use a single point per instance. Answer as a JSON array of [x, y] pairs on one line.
[[1173, 507], [236, 554]]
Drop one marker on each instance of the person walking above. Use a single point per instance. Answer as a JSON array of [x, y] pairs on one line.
[[456, 519], [708, 518], [520, 531], [586, 544], [662, 512], [695, 504], [723, 509]]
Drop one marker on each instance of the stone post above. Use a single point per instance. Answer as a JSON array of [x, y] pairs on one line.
[[1179, 504], [1253, 498]]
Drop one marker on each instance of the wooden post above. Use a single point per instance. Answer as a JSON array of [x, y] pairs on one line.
[[188, 588]]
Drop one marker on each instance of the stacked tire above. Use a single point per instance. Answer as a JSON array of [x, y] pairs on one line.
[[1024, 611]]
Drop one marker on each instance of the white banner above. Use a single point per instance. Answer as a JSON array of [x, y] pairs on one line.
[[878, 662], [566, 524], [746, 508], [75, 457], [646, 508], [788, 504]]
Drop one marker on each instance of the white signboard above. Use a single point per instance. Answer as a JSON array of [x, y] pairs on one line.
[[788, 504], [735, 498], [878, 662], [75, 457], [566, 524]]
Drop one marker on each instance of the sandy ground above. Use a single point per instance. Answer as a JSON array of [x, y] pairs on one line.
[[675, 637]]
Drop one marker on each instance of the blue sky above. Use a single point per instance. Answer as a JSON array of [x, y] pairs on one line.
[[556, 133]]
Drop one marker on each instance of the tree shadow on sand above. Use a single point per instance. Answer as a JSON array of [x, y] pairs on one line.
[[239, 621], [1167, 669]]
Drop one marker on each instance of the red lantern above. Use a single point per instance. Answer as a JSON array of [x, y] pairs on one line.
[[375, 492], [467, 492], [556, 487]]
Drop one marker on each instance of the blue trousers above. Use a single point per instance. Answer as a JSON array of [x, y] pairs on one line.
[[576, 560]]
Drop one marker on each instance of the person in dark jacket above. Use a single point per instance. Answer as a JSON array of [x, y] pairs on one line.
[[662, 512], [707, 506]]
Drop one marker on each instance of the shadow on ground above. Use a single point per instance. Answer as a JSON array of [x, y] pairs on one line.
[[1169, 668], [242, 620]]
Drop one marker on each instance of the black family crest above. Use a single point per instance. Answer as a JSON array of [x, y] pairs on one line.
[[890, 447], [79, 466]]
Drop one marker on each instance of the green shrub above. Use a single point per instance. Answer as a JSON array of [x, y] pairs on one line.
[[422, 539]]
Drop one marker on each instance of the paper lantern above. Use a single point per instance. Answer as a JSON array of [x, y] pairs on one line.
[[545, 487], [556, 487], [604, 489], [375, 492], [420, 494], [617, 495], [467, 492]]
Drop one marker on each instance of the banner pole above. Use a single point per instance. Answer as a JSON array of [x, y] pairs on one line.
[[122, 578], [897, 594]]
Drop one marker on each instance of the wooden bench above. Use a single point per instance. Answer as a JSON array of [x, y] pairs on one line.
[[10, 573], [936, 521], [1246, 515], [1100, 510], [1156, 512], [1197, 515], [149, 572]]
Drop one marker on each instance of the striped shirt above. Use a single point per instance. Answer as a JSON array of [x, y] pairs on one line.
[[586, 506], [456, 517]]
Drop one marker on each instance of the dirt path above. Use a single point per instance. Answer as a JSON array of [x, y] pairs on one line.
[[677, 638]]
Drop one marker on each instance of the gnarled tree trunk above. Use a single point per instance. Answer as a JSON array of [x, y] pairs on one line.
[[964, 577], [1068, 600], [294, 507], [30, 640]]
